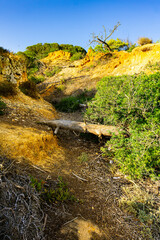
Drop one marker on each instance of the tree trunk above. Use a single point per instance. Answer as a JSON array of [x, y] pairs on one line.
[[96, 129], [106, 44]]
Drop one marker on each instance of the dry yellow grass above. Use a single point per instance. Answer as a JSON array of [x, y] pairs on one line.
[[37, 146]]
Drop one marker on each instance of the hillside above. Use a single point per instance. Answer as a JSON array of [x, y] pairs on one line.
[[76, 76], [88, 207]]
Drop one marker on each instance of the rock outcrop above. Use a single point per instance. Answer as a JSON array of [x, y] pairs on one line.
[[12, 68]]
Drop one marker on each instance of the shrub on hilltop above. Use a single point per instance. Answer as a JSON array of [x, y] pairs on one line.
[[144, 40], [3, 51], [117, 45], [38, 51]]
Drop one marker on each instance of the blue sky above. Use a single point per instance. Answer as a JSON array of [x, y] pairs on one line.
[[27, 22]]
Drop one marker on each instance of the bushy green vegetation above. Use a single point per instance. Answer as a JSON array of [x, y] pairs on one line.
[[36, 79], [83, 157], [117, 45], [113, 44], [143, 206], [154, 66], [7, 89], [54, 71], [38, 51], [77, 56], [29, 89], [3, 51], [131, 47], [2, 107], [72, 103], [133, 104], [59, 193]]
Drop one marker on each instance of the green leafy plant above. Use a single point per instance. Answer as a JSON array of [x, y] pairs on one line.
[[55, 70], [36, 79], [153, 66], [72, 103], [39, 50], [2, 107], [34, 53], [113, 44], [133, 104], [37, 184], [131, 47], [3, 51], [77, 56], [60, 193], [7, 89], [83, 157], [143, 206]]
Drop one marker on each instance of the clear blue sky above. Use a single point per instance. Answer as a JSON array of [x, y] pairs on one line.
[[27, 22]]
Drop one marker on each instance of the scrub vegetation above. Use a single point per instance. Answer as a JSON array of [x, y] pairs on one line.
[[133, 104], [34, 53]]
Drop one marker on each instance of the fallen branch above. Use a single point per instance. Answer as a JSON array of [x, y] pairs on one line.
[[96, 129], [85, 180], [70, 221]]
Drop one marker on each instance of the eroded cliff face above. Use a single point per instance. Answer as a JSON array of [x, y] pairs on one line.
[[21, 137], [84, 74], [122, 62], [12, 68]]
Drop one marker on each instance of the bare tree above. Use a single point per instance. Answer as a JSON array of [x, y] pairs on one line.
[[102, 38]]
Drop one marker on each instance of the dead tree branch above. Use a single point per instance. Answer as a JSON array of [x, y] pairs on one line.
[[101, 39], [95, 129]]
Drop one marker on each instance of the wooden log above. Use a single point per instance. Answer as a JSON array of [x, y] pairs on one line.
[[96, 129]]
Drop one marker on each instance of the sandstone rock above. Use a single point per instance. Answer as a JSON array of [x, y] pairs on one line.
[[12, 69]]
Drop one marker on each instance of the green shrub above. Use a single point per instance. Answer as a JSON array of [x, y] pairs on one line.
[[3, 51], [60, 193], [72, 49], [153, 66], [39, 51], [144, 40], [113, 44], [32, 70], [77, 56], [133, 104], [2, 107], [29, 89], [36, 79], [143, 206], [55, 70], [83, 157], [131, 47], [117, 44], [72, 103], [7, 89]]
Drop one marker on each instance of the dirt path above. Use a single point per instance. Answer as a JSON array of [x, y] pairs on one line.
[[96, 215]]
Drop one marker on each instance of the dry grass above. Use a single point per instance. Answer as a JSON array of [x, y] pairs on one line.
[[21, 216], [144, 206]]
